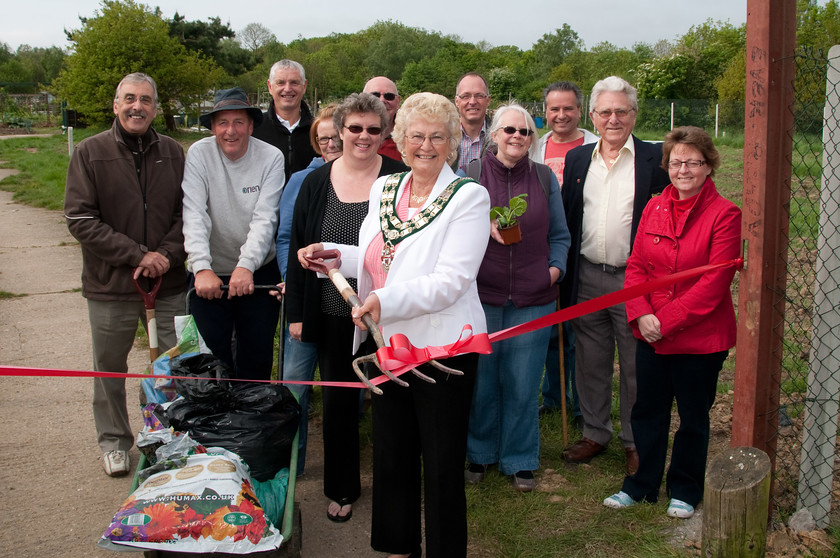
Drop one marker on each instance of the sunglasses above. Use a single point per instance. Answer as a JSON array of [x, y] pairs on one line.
[[372, 130], [523, 131], [386, 96]]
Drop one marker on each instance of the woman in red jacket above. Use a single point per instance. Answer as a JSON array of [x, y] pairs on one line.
[[685, 330]]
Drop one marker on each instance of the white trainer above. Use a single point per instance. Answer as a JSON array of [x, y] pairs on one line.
[[680, 509], [116, 463]]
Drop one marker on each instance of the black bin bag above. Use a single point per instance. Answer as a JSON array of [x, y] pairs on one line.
[[257, 421]]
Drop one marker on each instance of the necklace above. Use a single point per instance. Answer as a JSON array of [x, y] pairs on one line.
[[414, 197], [418, 199]]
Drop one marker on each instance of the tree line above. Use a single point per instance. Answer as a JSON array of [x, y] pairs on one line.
[[189, 59]]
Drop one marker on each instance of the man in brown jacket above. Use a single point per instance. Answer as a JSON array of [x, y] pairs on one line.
[[123, 204]]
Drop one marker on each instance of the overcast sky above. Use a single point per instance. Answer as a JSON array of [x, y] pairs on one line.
[[42, 22]]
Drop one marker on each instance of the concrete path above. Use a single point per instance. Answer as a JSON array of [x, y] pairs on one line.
[[55, 499]]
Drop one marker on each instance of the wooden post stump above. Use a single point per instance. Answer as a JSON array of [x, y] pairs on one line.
[[736, 504]]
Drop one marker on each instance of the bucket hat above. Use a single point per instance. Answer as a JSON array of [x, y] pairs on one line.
[[231, 99]]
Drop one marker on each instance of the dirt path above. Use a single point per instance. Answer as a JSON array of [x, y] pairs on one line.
[[55, 499]]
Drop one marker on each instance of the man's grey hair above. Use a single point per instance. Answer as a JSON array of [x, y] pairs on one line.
[[564, 86], [286, 64], [136, 77], [614, 84]]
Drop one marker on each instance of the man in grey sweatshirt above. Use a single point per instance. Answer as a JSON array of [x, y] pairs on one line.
[[232, 186]]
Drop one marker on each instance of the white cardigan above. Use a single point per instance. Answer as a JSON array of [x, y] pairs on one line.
[[430, 293]]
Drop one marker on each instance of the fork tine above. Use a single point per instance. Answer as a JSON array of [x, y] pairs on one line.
[[446, 369], [423, 376], [363, 377]]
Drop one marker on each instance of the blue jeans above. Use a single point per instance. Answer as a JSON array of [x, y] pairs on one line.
[[551, 388], [300, 360], [504, 419]]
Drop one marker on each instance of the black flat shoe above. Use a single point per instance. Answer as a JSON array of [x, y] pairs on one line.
[[341, 518]]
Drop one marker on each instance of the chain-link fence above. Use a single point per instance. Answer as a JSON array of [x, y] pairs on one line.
[[807, 472]]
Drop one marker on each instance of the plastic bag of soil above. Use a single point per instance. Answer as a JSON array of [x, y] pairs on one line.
[[202, 503], [256, 421]]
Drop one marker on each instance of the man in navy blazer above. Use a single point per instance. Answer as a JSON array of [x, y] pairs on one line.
[[606, 185]]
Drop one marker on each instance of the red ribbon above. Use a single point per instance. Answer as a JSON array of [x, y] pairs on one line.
[[53, 372], [402, 356], [407, 356]]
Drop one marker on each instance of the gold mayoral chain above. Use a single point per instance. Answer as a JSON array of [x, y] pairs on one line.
[[394, 230]]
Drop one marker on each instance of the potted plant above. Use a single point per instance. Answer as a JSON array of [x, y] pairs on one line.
[[506, 218]]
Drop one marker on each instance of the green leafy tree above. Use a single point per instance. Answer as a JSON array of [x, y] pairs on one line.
[[214, 40], [27, 69], [697, 60], [15, 77], [731, 91], [440, 73], [391, 46], [818, 27], [502, 83], [125, 37], [553, 48]]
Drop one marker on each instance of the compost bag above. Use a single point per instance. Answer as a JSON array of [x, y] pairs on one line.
[[256, 421], [199, 503]]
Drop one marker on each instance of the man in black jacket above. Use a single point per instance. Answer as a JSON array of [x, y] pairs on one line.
[[606, 185], [287, 122]]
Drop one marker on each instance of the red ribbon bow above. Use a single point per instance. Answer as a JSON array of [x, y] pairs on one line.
[[402, 356]]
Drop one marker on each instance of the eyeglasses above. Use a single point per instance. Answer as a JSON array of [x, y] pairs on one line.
[[386, 96], [511, 130], [476, 96], [676, 164], [619, 113], [324, 140], [418, 139], [130, 99], [372, 130], [293, 83]]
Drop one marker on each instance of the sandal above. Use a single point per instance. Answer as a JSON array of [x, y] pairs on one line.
[[338, 517]]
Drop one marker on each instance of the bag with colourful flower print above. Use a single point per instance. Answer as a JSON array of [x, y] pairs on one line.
[[202, 505]]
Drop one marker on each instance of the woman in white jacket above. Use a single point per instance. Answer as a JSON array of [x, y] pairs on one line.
[[421, 245]]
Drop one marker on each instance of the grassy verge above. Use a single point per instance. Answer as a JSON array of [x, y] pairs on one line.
[[42, 163]]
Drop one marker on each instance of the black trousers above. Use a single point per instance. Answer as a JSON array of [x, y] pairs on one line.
[[429, 422], [691, 380], [340, 408], [240, 330]]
